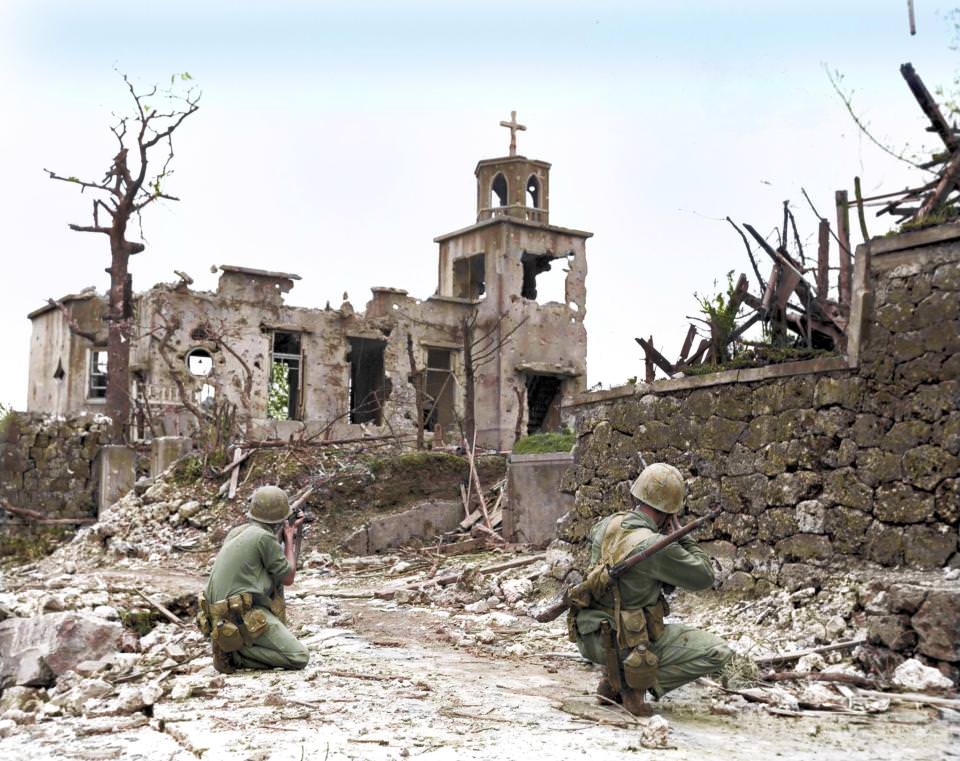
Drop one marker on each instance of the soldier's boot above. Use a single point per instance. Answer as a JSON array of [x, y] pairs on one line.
[[606, 693], [222, 662], [633, 701]]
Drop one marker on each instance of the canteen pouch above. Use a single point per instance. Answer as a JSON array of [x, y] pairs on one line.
[[256, 622], [633, 628], [226, 636], [640, 668]]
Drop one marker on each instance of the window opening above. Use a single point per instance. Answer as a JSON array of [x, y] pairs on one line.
[[206, 394], [368, 383], [533, 192], [438, 404], [498, 191], [544, 278], [97, 376], [199, 362], [283, 391], [543, 403], [469, 277], [59, 372]]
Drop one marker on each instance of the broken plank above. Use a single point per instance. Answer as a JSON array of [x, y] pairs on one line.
[[823, 259], [914, 697], [687, 343], [767, 660], [948, 181], [166, 613], [821, 676], [235, 473], [929, 106], [655, 356]]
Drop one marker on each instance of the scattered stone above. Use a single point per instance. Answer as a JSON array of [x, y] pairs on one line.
[[913, 676], [514, 590]]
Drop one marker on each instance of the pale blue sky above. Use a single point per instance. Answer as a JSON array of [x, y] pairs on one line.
[[337, 139]]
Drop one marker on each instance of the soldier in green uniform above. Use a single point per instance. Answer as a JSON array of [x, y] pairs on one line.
[[623, 628], [242, 607]]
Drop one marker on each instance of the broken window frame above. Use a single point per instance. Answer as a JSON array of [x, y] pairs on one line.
[[470, 277], [369, 409], [446, 378], [294, 363], [97, 373]]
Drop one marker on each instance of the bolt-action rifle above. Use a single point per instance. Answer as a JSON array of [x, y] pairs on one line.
[[552, 609]]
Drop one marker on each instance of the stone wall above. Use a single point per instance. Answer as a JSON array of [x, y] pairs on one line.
[[846, 456], [47, 464]]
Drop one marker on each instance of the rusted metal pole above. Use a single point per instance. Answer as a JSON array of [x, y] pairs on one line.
[[843, 235]]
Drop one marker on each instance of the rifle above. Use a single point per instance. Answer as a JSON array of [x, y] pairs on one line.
[[295, 514], [561, 602]]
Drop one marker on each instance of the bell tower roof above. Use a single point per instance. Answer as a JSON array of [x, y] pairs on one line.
[[513, 185]]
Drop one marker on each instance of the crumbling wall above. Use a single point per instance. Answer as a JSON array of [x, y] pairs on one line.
[[812, 461], [47, 464]]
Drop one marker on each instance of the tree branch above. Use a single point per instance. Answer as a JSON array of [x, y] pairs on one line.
[[71, 322]]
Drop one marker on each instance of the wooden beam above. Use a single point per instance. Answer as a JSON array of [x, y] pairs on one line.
[[823, 259], [929, 106], [948, 181], [687, 343], [654, 356]]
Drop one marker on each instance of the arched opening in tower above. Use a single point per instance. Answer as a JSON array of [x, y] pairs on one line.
[[498, 191], [533, 192]]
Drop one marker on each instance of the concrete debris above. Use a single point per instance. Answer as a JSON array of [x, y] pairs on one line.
[[52, 644], [914, 676]]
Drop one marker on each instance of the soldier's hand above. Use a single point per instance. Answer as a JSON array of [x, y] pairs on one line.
[[673, 524], [290, 529]]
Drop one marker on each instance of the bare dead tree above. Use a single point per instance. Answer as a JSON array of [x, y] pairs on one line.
[[127, 188]]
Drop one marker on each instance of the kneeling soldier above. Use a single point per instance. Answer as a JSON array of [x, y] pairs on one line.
[[242, 608], [623, 629]]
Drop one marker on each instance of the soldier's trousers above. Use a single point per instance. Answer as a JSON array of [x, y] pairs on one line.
[[275, 648], [684, 653]]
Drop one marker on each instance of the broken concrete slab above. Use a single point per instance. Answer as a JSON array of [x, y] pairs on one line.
[[534, 500], [424, 521]]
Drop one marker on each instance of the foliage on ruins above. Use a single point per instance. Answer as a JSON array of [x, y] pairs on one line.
[[278, 393]]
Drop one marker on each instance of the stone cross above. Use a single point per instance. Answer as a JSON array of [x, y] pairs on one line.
[[513, 126]]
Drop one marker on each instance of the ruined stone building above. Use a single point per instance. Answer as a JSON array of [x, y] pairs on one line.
[[339, 372]]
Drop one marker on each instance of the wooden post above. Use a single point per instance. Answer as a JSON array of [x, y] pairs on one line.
[[823, 260], [843, 235], [649, 374]]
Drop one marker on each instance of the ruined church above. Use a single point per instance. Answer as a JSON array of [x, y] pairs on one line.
[[492, 338]]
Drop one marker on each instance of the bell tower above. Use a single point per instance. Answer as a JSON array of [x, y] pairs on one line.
[[513, 186]]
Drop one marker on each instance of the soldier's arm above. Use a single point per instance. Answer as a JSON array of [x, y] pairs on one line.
[[683, 564], [275, 560]]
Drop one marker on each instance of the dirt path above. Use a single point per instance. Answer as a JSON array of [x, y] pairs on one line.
[[392, 682]]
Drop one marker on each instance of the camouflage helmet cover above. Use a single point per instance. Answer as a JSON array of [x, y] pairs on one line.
[[269, 504], [660, 486]]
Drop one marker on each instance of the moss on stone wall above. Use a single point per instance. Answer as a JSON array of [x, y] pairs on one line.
[[862, 463]]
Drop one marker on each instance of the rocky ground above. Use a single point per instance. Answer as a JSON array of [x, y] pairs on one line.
[[422, 654]]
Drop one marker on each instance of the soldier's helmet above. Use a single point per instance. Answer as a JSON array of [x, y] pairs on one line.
[[660, 486], [269, 505]]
